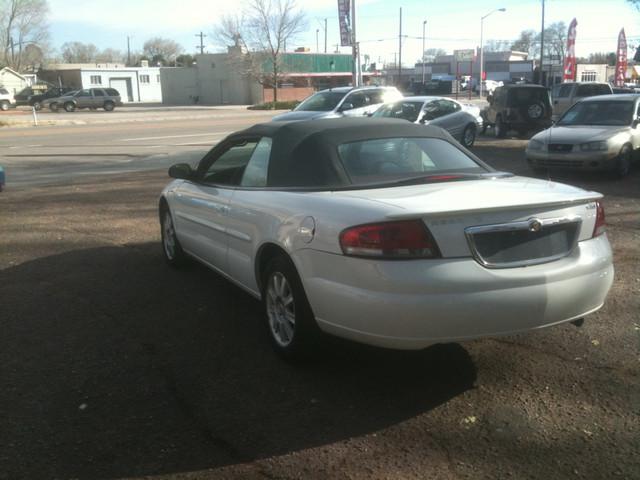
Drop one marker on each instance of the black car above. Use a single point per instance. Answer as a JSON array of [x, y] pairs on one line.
[[517, 107], [34, 98]]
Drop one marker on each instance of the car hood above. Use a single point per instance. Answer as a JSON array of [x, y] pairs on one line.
[[579, 133], [473, 196], [303, 115]]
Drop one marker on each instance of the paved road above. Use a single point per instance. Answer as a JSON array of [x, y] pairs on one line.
[[46, 154], [114, 366]]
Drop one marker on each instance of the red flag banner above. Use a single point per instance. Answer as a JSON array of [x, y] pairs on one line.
[[621, 59], [570, 59], [344, 17]]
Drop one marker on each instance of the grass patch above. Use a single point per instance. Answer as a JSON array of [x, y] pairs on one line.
[[288, 105]]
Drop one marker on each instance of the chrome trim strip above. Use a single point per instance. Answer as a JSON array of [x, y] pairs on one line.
[[521, 225]]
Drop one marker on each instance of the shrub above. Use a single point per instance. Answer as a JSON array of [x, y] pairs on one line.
[[288, 105]]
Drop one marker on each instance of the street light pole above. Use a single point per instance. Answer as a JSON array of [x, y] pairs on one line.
[[317, 40], [482, 45], [542, 48], [424, 27]]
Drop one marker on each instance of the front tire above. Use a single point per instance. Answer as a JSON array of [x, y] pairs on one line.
[[171, 248], [292, 327], [500, 128], [623, 165], [4, 106], [53, 107], [469, 136]]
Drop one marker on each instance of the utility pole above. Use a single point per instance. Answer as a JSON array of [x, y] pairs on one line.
[[325, 35], [354, 46], [400, 51], [128, 51], [317, 42], [542, 48], [201, 46], [424, 29]]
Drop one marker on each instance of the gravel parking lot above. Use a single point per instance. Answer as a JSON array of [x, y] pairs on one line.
[[116, 366]]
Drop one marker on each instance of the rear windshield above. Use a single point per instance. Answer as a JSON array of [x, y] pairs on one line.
[[321, 102], [4, 92], [614, 113], [525, 96], [391, 160], [404, 110]]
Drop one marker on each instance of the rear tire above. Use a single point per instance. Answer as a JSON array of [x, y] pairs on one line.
[[4, 105], [109, 106], [37, 106], [500, 128], [171, 248], [469, 136], [292, 327], [70, 106], [54, 107]]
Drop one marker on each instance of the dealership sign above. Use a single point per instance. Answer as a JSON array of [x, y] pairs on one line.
[[344, 17], [569, 72], [463, 55], [621, 59]]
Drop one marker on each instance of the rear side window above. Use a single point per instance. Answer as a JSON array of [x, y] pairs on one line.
[[404, 110], [112, 92], [393, 159], [98, 93], [562, 91], [255, 173]]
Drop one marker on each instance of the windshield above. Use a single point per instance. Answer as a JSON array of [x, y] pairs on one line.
[[404, 110], [392, 160], [610, 113], [321, 102]]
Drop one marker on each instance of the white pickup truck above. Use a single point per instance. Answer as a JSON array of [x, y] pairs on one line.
[[6, 99]]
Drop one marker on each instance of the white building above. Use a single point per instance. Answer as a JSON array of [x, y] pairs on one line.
[[135, 84], [12, 81]]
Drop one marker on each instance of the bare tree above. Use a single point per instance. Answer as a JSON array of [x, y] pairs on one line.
[[497, 45], [78, 52], [110, 55], [22, 24], [526, 42], [258, 38], [161, 50], [555, 41]]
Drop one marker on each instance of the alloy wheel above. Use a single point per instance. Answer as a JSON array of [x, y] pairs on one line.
[[281, 309], [169, 236]]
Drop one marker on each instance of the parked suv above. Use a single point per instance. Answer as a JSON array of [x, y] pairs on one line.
[[6, 99], [517, 107], [35, 98], [342, 102], [107, 98], [565, 95]]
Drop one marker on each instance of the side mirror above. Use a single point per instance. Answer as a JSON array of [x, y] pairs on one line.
[[182, 171], [346, 106], [635, 123]]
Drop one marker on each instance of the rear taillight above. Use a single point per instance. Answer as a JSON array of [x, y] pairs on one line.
[[600, 226], [392, 240]]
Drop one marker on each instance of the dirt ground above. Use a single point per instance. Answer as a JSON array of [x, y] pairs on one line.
[[115, 366]]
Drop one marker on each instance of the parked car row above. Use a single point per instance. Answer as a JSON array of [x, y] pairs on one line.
[[62, 98], [461, 120]]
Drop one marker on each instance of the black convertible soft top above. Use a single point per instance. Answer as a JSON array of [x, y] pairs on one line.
[[305, 154]]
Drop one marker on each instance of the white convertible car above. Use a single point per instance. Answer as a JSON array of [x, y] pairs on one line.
[[387, 233]]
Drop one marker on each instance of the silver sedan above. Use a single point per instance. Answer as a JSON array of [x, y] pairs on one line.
[[461, 120], [598, 133]]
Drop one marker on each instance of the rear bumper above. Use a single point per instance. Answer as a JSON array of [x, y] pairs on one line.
[[413, 304], [575, 161]]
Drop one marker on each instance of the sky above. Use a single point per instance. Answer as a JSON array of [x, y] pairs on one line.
[[451, 24]]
